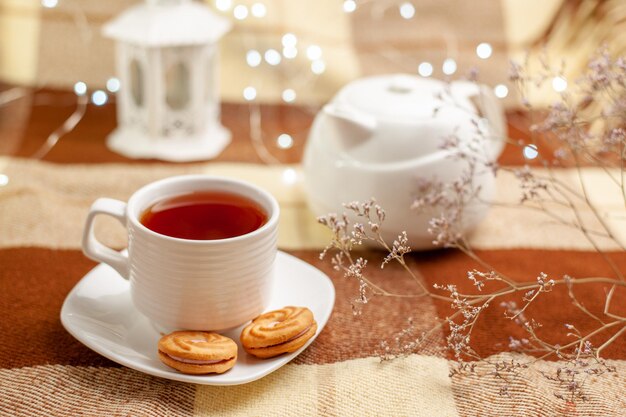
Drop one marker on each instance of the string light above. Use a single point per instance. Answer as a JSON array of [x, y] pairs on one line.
[[272, 57], [249, 93], [425, 69], [530, 151], [290, 176], [559, 84], [284, 141], [258, 10], [113, 85], [407, 10], [253, 58], [313, 52], [82, 100], [223, 5], [349, 6], [99, 98], [318, 66], [484, 50], [4, 179], [501, 90], [289, 40], [80, 88], [68, 125], [49, 4], [290, 52], [240, 12], [449, 66], [289, 95]]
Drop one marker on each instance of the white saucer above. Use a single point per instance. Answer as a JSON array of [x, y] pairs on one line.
[[99, 313]]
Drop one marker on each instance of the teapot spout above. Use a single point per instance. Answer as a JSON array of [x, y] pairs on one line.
[[353, 125]]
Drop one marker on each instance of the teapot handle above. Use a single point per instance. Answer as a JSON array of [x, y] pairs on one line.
[[488, 105]]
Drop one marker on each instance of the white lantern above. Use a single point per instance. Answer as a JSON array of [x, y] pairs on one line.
[[167, 64]]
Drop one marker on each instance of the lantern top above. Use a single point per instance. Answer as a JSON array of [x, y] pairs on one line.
[[167, 23]]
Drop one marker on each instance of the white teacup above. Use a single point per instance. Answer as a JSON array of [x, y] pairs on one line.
[[191, 284]]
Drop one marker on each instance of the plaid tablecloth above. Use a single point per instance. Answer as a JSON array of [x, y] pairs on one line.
[[44, 371]]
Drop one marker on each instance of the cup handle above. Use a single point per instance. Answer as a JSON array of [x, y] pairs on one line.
[[95, 250]]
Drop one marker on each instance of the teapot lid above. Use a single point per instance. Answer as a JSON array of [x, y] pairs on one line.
[[398, 96]]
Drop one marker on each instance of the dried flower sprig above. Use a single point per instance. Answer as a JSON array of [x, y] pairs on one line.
[[589, 129], [348, 235], [469, 307]]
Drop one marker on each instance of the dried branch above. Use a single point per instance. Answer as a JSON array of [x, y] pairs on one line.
[[582, 135]]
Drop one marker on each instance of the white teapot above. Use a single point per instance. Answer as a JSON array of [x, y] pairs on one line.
[[380, 134]]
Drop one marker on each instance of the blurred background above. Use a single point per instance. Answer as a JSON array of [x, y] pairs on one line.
[[299, 53]]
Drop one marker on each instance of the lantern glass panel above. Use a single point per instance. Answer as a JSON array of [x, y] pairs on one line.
[[177, 86], [136, 82]]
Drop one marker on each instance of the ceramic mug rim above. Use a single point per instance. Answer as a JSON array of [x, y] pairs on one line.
[[273, 214]]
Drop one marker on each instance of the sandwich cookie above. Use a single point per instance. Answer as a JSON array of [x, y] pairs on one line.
[[279, 331], [193, 352]]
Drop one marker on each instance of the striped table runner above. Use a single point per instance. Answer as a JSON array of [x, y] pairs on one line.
[[44, 371]]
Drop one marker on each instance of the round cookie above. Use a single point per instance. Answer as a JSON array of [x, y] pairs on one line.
[[193, 352], [279, 331]]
